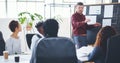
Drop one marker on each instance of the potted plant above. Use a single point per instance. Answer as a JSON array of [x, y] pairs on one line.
[[28, 19]]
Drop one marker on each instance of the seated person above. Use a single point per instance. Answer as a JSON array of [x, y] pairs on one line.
[[47, 26], [13, 44], [100, 47], [50, 27], [39, 35], [2, 44]]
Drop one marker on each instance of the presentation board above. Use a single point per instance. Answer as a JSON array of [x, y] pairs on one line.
[[106, 14]]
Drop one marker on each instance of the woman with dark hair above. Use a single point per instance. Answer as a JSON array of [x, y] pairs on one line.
[[13, 44], [100, 47]]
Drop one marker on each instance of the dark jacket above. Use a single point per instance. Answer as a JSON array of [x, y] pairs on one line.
[[97, 55], [2, 44]]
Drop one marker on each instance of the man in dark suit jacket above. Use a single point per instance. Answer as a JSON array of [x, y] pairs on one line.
[[2, 44]]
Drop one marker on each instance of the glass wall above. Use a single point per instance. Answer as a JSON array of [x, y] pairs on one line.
[[62, 13], [11, 8], [2, 9]]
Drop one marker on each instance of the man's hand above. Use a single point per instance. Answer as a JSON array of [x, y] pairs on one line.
[[97, 24], [87, 20]]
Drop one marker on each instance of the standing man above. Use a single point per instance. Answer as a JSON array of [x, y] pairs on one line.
[[80, 26]]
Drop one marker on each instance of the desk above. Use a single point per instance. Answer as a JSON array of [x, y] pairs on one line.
[[82, 55], [23, 59]]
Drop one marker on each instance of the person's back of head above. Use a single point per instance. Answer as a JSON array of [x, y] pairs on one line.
[[39, 27], [103, 35], [50, 27]]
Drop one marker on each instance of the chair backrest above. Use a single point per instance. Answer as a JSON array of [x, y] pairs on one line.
[[91, 35], [113, 50], [56, 50], [2, 44], [29, 38]]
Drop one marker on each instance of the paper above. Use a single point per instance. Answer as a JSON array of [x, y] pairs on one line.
[[106, 22], [83, 52], [92, 20], [95, 10], [108, 11]]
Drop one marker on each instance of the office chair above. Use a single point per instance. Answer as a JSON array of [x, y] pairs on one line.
[[56, 50], [91, 35], [28, 39], [113, 50], [2, 44]]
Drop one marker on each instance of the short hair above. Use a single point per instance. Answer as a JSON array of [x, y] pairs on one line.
[[39, 24], [13, 24], [51, 27], [79, 3]]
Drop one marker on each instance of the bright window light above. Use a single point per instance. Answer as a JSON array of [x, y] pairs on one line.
[[72, 1], [31, 0], [2, 10]]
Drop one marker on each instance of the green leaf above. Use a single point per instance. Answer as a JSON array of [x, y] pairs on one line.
[[22, 20], [39, 16], [30, 23], [32, 17]]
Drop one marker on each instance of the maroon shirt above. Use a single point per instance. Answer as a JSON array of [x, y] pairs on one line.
[[79, 27]]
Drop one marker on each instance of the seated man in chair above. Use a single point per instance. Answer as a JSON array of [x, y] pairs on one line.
[[53, 49]]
